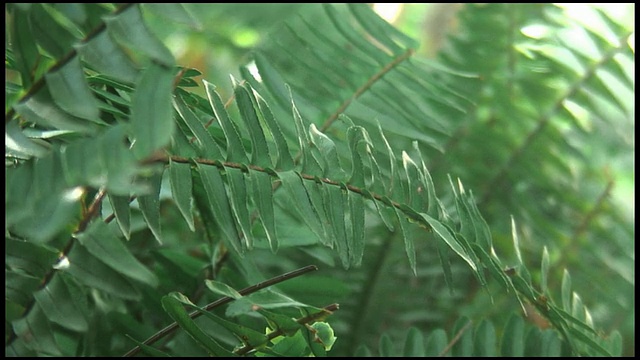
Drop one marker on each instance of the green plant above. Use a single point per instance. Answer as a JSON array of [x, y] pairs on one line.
[[336, 146]]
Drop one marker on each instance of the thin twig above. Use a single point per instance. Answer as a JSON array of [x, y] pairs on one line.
[[248, 290], [455, 339]]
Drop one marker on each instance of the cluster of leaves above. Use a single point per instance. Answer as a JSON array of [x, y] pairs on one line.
[[100, 110]]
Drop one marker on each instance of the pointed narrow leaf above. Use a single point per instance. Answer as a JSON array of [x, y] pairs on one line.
[[281, 322], [248, 336], [23, 45], [218, 202], [99, 241], [334, 201], [129, 28], [262, 192], [544, 271], [408, 239], [118, 160], [260, 151], [106, 57], [49, 34], [285, 161], [151, 111], [309, 163], [298, 194], [181, 189], [120, 206], [17, 143], [330, 161], [148, 350], [315, 193], [565, 291], [356, 212], [235, 150], [204, 142], [70, 90], [92, 272], [36, 332], [386, 214], [40, 109], [150, 205], [222, 289], [445, 235], [239, 203], [175, 13], [360, 147], [61, 304], [174, 308]]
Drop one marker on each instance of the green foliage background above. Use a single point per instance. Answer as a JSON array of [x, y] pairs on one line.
[[434, 155]]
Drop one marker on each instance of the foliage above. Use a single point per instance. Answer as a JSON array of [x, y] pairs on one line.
[[136, 191]]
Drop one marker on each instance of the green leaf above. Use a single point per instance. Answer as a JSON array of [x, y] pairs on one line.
[[385, 347], [565, 291], [174, 308], [463, 331], [360, 146], [151, 111], [181, 189], [118, 160], [129, 28], [40, 109], [330, 162], [335, 201], [150, 205], [485, 339], [298, 194], [36, 332], [20, 145], [239, 203], [176, 13], [436, 343], [550, 345], [49, 34], [99, 241], [218, 202], [513, 337], [23, 45], [285, 161], [222, 289], [310, 164], [357, 215], [61, 304], [92, 272], [148, 350], [262, 193], [414, 344], [315, 193], [105, 56], [408, 239], [281, 322], [380, 29], [235, 149], [445, 235], [246, 335], [122, 212], [260, 151], [204, 142], [544, 271]]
